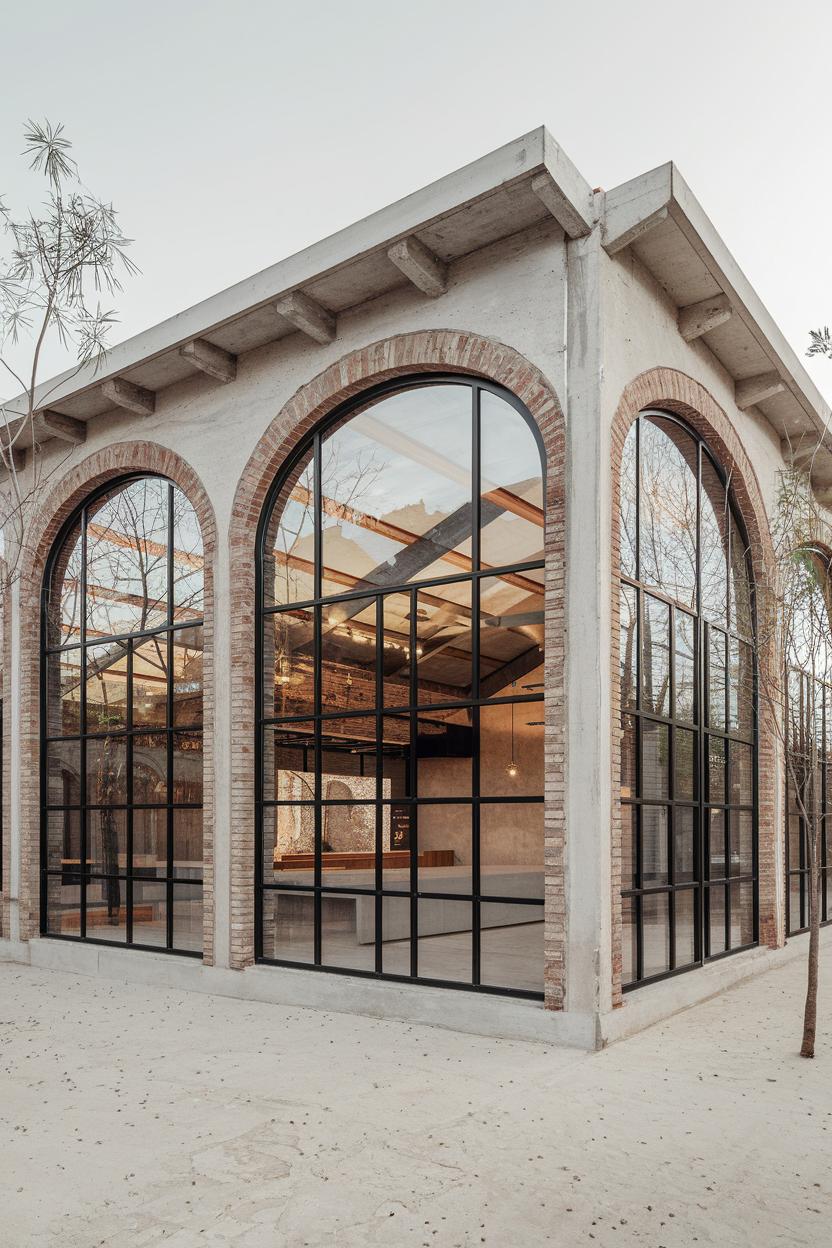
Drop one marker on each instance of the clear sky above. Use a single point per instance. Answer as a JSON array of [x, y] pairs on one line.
[[230, 134]]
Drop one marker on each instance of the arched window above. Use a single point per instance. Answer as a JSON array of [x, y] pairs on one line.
[[688, 750], [809, 719], [400, 748], [121, 723]]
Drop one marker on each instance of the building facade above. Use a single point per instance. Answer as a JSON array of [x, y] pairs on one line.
[[385, 635]]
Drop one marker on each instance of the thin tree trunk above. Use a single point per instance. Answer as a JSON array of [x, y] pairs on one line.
[[810, 1013]]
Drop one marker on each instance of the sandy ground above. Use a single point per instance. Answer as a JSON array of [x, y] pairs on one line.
[[134, 1117]]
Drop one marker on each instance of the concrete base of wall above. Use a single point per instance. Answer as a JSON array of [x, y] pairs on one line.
[[475, 1014]]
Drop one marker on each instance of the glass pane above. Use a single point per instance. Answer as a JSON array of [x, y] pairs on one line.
[[511, 849], [395, 760], [348, 932], [740, 775], [289, 542], [396, 481], [444, 749], [107, 910], [150, 768], [289, 763], [187, 767], [716, 679], [511, 946], [716, 845], [127, 559], [740, 582], [629, 940], [511, 750], [63, 773], [716, 769], [150, 913], [107, 842], [396, 657], [348, 759], [63, 904], [685, 673], [742, 842], [288, 926], [107, 771], [187, 676], [348, 843], [63, 696], [64, 609], [444, 939], [628, 646], [511, 484], [187, 917], [684, 904], [511, 639], [187, 844], [150, 682], [668, 509], [655, 670], [795, 904], [716, 919], [63, 839], [684, 764], [653, 845], [628, 756], [655, 759], [289, 654], [740, 688], [150, 843], [742, 914], [629, 470], [106, 687], [656, 933], [714, 543], [188, 560], [629, 820], [289, 845], [444, 842], [683, 844], [443, 643], [395, 933], [348, 656]]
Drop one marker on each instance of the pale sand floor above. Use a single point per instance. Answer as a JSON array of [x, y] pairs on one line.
[[133, 1117]]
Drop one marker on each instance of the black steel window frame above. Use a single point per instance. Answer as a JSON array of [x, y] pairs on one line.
[[167, 631], [703, 802], [805, 718], [416, 710]]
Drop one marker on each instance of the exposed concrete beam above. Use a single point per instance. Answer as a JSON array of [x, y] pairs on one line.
[[615, 241], [699, 318], [49, 424], [15, 455], [132, 398], [800, 454], [574, 222], [425, 270], [307, 315], [209, 359], [753, 390]]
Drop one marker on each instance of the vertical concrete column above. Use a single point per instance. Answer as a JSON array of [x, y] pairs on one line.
[[588, 789]]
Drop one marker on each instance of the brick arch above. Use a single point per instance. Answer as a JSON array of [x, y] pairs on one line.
[[66, 495], [440, 351], [668, 390]]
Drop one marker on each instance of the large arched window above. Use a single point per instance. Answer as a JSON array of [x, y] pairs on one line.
[[400, 659], [809, 719], [688, 702], [121, 722]]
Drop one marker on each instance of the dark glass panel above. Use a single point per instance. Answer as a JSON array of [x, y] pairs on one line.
[[714, 519], [348, 759], [187, 844], [289, 763], [395, 762], [511, 486], [628, 756], [716, 679], [63, 620], [106, 673], [511, 946], [348, 656], [107, 771], [443, 645], [187, 676], [684, 764], [716, 769], [667, 534], [740, 774], [629, 504], [444, 750], [150, 768], [740, 688], [127, 559], [63, 839], [150, 682], [629, 940], [628, 646], [511, 639], [740, 582], [187, 767], [289, 663], [742, 842], [655, 659], [716, 845], [685, 922], [685, 672], [655, 759], [188, 560], [150, 843], [63, 693], [63, 904], [742, 914], [63, 773], [684, 868], [629, 842], [107, 842], [396, 659], [654, 868], [289, 543], [655, 921]]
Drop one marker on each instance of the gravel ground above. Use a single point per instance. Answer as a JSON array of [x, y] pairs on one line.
[[132, 1117]]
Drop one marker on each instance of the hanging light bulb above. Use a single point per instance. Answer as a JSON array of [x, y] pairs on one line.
[[512, 768]]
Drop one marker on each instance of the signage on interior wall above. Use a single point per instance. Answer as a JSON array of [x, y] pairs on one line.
[[400, 827]]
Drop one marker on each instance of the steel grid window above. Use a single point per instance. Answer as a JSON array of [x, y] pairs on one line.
[[400, 663], [688, 708], [121, 722]]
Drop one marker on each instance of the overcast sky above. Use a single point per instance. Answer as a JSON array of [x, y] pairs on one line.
[[230, 135]]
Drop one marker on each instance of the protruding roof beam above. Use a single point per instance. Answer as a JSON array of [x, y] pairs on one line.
[[209, 359], [15, 455], [425, 270], [800, 454], [307, 315], [49, 424], [753, 390], [132, 398], [574, 222], [615, 241], [699, 318]]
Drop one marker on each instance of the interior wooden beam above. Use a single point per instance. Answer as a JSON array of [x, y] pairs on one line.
[[130, 397], [420, 266], [699, 318], [307, 315], [210, 359]]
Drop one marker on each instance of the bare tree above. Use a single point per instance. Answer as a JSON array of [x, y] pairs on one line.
[[62, 258]]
